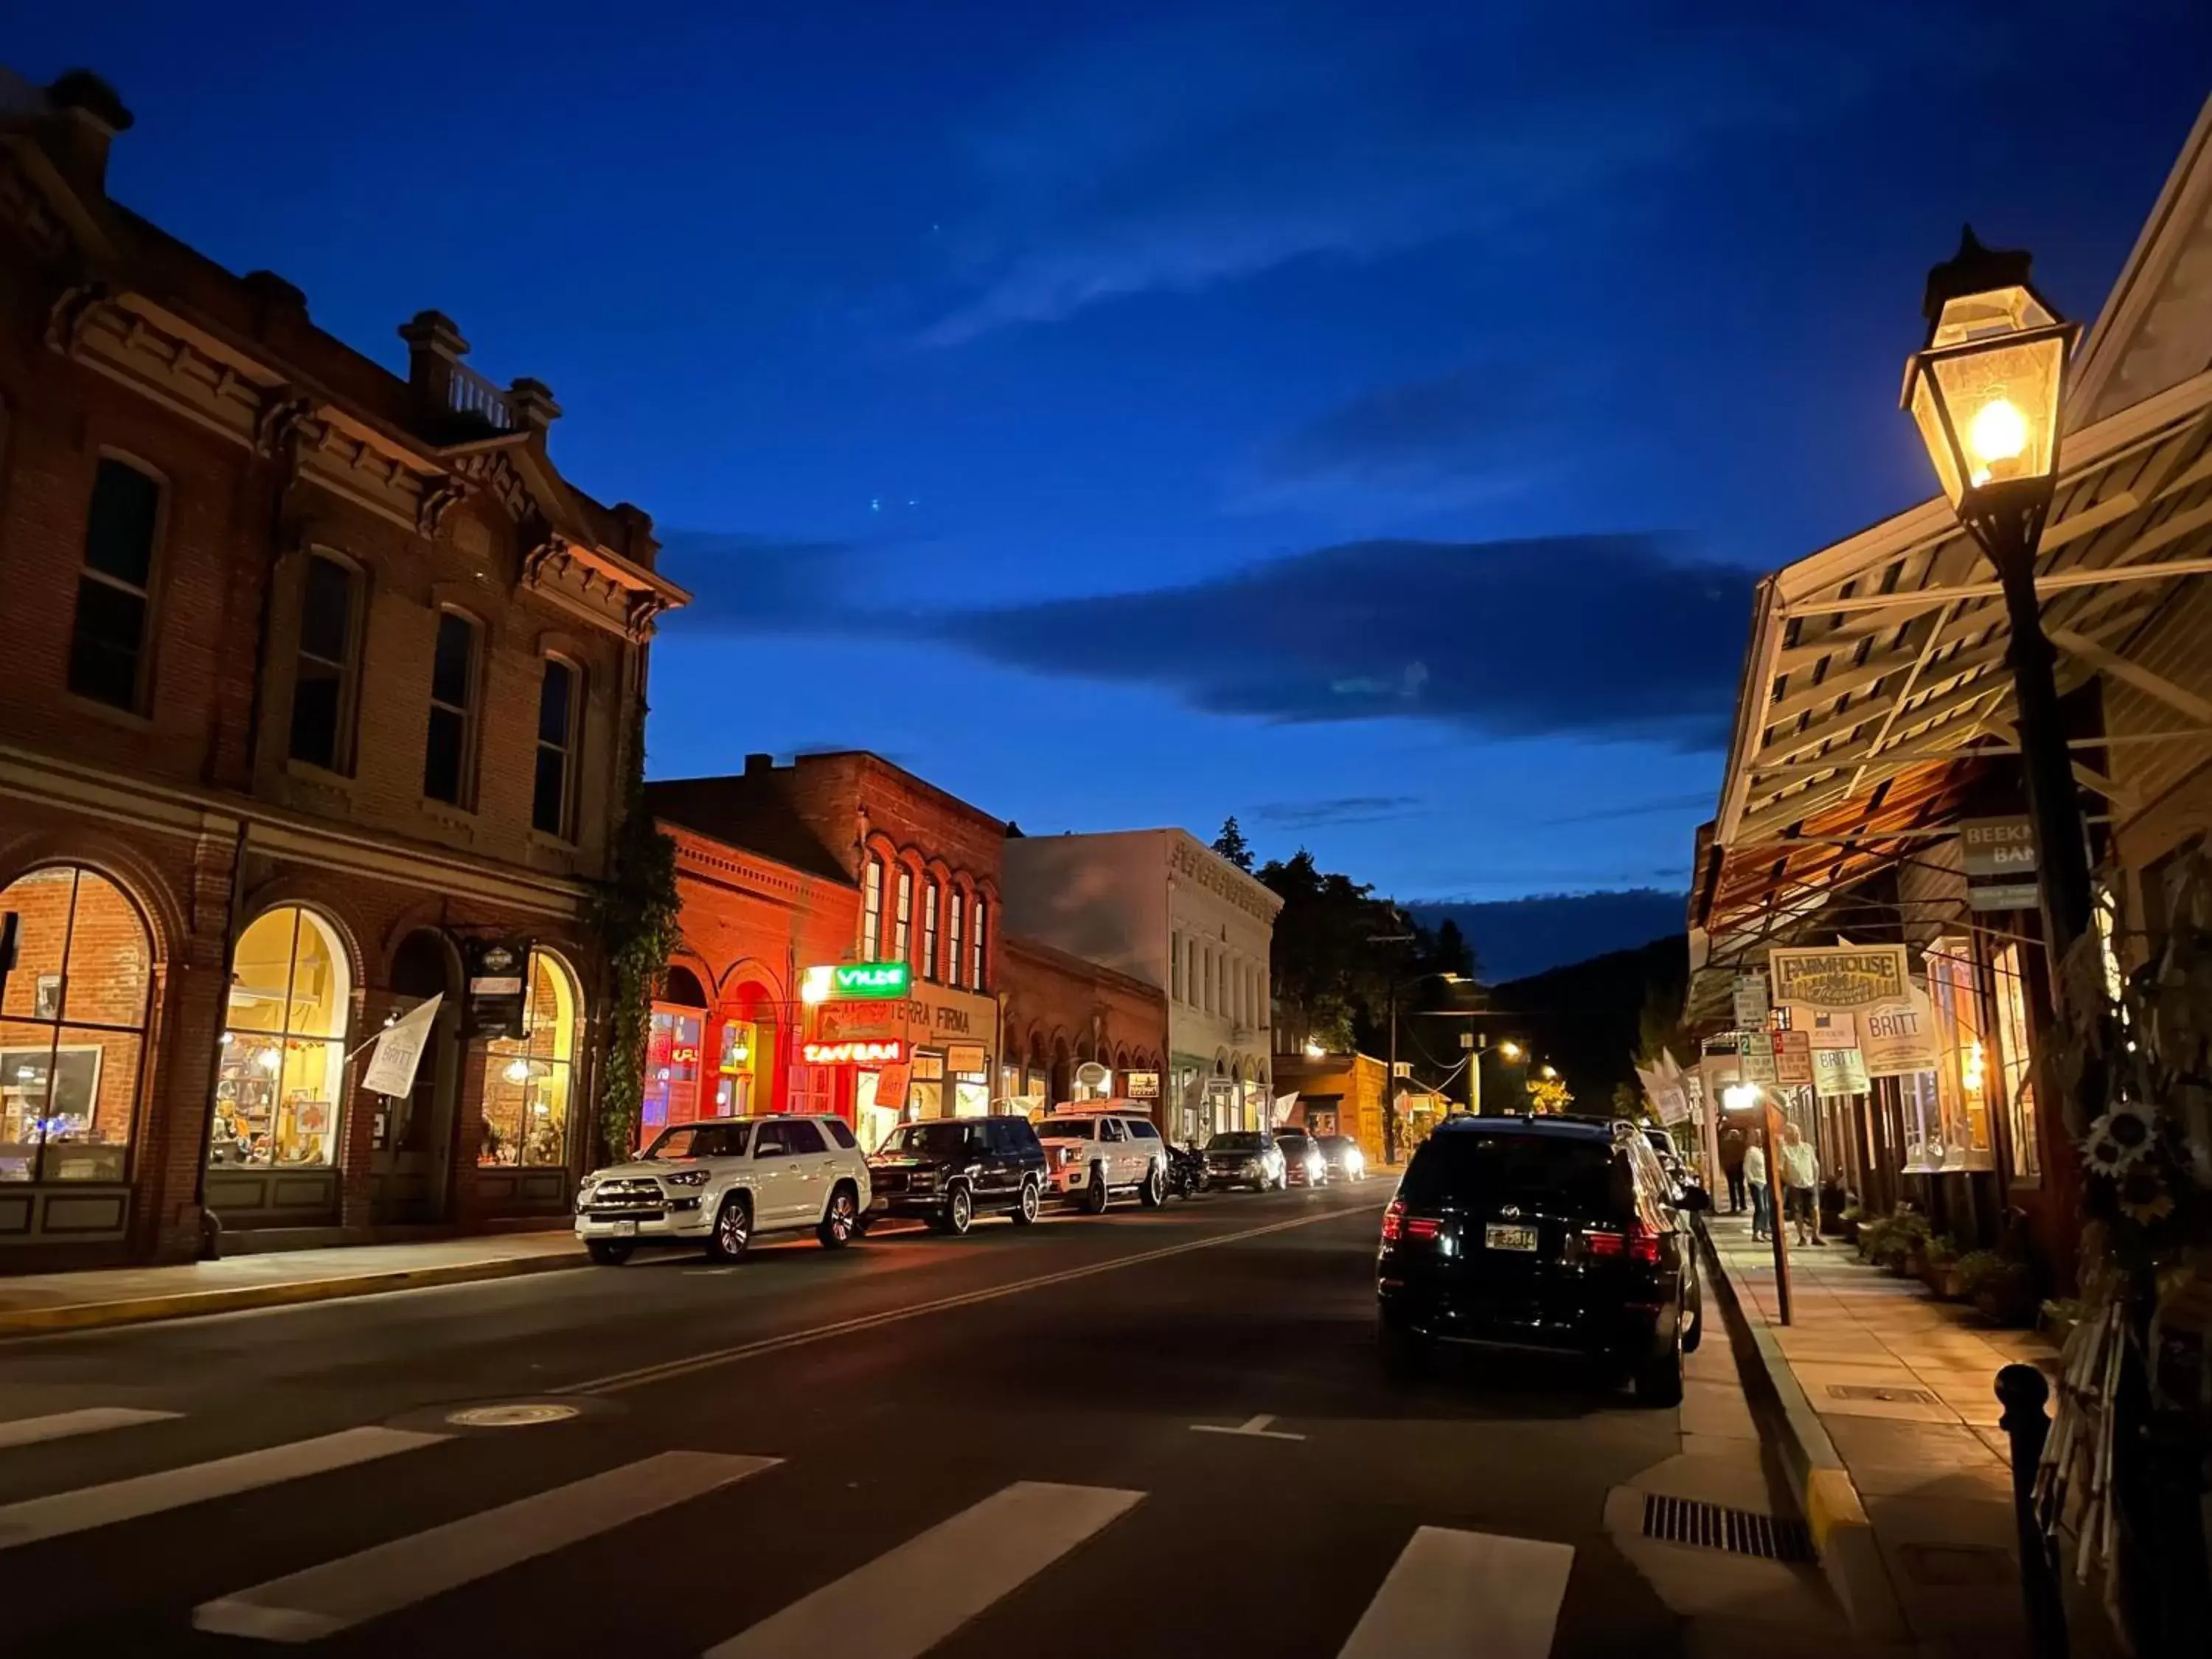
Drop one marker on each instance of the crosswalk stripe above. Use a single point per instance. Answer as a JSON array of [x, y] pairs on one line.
[[322, 1601], [910, 1599], [29, 1431], [1468, 1594], [195, 1483]]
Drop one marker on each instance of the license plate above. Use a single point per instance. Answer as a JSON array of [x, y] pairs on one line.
[[625, 1230], [1509, 1238]]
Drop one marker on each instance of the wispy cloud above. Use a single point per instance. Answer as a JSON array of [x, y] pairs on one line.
[[1639, 809], [1336, 810]]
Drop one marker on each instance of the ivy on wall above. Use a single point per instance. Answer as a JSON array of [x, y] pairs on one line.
[[634, 912]]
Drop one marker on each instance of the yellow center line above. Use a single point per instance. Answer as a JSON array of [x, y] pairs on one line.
[[671, 1369]]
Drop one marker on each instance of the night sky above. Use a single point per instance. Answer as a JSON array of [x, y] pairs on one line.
[[1364, 419]]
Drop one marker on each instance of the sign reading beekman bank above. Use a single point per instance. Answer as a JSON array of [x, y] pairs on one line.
[[1839, 978]]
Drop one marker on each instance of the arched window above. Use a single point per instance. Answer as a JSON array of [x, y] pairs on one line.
[[72, 1028], [979, 946], [903, 917], [872, 909], [282, 1079], [529, 1082], [956, 929], [672, 1054], [929, 901]]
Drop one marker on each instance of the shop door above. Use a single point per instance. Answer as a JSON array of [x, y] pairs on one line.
[[410, 1162]]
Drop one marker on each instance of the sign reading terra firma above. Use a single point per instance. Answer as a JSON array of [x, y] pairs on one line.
[[1839, 978]]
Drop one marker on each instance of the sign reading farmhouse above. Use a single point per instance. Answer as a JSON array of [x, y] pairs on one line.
[[1839, 978], [844, 980]]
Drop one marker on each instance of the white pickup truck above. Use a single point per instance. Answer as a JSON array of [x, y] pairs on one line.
[[718, 1182], [1092, 1155]]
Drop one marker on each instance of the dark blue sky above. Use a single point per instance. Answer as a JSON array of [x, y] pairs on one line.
[[1364, 419]]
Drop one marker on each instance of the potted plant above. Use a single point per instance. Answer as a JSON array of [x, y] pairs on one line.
[[1851, 1221], [1906, 1255], [1874, 1236], [2002, 1290], [1941, 1271]]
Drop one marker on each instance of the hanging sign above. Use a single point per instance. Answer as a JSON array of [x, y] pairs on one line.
[[1833, 1030], [390, 1069], [965, 1059], [496, 970], [1750, 1002], [842, 981], [1793, 1058], [1839, 978], [1900, 1040], [1756, 1051], [1839, 1072], [1140, 1085], [883, 1052]]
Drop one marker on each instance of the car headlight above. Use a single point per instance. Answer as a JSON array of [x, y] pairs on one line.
[[688, 1178]]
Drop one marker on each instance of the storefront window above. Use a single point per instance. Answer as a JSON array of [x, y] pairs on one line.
[[282, 1076], [734, 1068], [875, 1110], [671, 1069], [925, 1093], [529, 1084], [2014, 1052], [1960, 1138], [72, 1028]]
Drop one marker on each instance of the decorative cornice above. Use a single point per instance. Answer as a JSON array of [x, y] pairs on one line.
[[439, 500]]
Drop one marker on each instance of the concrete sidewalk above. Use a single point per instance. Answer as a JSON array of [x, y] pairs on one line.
[[130, 1296], [1889, 1403]]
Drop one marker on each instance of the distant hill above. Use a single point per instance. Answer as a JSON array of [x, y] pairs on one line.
[[1515, 938], [1586, 1017]]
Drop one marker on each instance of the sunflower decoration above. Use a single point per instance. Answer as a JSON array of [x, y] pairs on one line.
[[2118, 1140], [2144, 1194]]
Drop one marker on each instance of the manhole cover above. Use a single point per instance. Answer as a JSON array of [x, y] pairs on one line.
[[1895, 1397], [525, 1415], [1739, 1532]]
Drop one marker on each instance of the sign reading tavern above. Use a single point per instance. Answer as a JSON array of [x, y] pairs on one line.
[[1839, 978]]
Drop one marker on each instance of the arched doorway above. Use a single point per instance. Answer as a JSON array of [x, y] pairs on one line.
[[674, 1053], [411, 1152], [748, 1053]]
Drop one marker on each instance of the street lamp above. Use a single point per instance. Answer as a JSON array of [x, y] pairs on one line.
[[1511, 1049], [1984, 391]]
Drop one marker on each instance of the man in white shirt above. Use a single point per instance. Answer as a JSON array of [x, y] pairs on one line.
[[1754, 1176], [1801, 1181]]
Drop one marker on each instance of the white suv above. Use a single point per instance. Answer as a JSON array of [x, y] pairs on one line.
[[718, 1182], [1092, 1155]]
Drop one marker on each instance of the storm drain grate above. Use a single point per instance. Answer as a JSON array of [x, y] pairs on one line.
[[1883, 1392], [1739, 1532]]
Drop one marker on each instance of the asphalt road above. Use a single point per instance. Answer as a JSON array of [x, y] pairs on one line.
[[986, 1446]]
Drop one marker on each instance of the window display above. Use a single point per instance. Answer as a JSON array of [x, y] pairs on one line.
[[529, 1082], [72, 1028], [926, 1094], [671, 1069], [735, 1068], [1959, 1139], [281, 1078], [2015, 1049]]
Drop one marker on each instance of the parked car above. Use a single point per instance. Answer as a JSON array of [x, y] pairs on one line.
[[721, 1182], [1346, 1161], [1303, 1164], [1245, 1158], [948, 1170], [1094, 1156], [1522, 1232]]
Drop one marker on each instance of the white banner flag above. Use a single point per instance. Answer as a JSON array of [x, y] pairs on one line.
[[399, 1049]]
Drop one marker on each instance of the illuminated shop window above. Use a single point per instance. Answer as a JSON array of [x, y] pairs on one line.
[[281, 1082], [2015, 1048], [529, 1082], [72, 1028], [1959, 1138]]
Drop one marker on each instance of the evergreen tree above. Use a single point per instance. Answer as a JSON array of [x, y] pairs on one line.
[[1232, 845]]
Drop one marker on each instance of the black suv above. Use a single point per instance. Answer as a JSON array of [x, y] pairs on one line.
[[948, 1170], [1532, 1232]]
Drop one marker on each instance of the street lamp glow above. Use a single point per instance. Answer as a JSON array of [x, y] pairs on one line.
[[1549, 1074], [1739, 1096], [1314, 1051], [1998, 433], [1511, 1049]]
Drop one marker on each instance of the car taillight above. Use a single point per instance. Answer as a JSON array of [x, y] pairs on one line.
[[1393, 1221], [1639, 1243], [1413, 1229], [1423, 1227]]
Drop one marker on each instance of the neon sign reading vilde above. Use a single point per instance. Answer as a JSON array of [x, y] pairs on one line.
[[854, 980]]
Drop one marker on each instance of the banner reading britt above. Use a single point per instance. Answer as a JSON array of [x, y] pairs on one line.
[[1839, 978]]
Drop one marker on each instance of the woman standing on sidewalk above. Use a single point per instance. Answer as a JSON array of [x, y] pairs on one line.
[[1801, 1179], [1754, 1175]]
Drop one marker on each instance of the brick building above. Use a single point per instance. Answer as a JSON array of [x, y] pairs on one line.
[[319, 683], [926, 866], [726, 1027], [1063, 1013]]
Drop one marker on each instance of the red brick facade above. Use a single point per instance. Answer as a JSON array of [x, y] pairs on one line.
[[268, 445], [1063, 1012]]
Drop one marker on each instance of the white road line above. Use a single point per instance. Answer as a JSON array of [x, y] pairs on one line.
[[1253, 1428], [195, 1483], [907, 1600], [1468, 1595], [684, 1367], [322, 1601], [92, 1420]]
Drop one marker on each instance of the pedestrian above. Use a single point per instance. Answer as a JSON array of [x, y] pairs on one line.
[[1754, 1175], [1733, 1146], [1801, 1179]]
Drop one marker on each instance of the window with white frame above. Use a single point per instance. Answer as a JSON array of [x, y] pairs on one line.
[[929, 930], [872, 909], [903, 918], [114, 586]]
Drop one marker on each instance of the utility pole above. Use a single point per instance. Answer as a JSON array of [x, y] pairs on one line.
[[1390, 1087]]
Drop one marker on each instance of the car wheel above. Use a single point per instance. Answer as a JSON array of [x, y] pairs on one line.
[[1404, 1353], [842, 1219], [959, 1212], [1659, 1379], [608, 1252], [1095, 1196], [732, 1230], [1025, 1208], [1154, 1192]]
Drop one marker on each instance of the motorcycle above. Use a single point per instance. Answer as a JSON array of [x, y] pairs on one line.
[[1186, 1171]]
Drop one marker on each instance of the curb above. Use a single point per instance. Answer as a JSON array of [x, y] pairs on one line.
[[192, 1304], [1842, 1537]]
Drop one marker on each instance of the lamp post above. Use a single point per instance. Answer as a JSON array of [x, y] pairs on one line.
[[1389, 1088], [1984, 390]]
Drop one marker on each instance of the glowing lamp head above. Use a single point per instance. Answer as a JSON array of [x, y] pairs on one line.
[[1314, 1051], [1740, 1096], [517, 1070], [1510, 1049], [1984, 389]]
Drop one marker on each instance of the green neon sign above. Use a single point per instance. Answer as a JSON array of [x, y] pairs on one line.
[[871, 979]]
